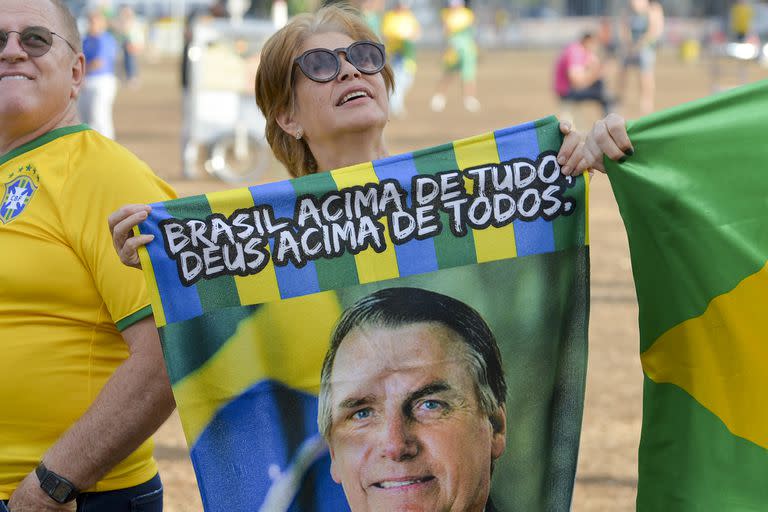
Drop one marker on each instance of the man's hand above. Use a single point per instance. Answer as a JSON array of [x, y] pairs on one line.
[[29, 497]]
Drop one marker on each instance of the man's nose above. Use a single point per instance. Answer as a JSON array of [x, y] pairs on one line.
[[399, 441], [13, 50], [347, 70]]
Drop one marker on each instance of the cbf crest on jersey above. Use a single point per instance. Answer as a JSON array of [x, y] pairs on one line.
[[17, 191]]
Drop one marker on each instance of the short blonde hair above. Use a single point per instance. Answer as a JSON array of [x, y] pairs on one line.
[[274, 78]]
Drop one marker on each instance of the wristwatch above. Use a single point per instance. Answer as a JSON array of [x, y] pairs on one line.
[[57, 487]]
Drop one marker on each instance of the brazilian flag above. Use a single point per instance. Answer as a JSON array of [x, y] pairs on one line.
[[694, 199]]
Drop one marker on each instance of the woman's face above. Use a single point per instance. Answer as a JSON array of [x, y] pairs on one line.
[[353, 102]]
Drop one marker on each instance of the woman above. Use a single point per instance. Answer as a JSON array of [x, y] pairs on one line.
[[643, 26], [459, 57], [323, 86]]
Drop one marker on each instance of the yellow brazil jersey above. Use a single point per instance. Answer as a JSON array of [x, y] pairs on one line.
[[741, 18], [457, 19], [65, 296], [397, 27]]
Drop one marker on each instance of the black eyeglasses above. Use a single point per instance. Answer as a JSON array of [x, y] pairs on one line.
[[323, 65], [36, 41]]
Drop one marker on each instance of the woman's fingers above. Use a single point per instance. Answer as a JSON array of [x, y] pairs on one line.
[[571, 166], [569, 146], [592, 157], [617, 130]]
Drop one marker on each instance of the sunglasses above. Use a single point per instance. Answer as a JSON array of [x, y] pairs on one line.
[[323, 65], [36, 41]]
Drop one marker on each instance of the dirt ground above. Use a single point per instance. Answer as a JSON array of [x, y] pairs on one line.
[[514, 87]]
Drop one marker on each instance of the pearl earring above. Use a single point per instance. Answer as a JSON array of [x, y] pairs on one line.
[[298, 134]]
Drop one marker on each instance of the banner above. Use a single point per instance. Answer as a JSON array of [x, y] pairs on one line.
[[445, 289], [694, 199]]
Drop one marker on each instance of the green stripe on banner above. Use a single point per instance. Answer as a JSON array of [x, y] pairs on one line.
[[548, 134], [699, 484], [214, 293], [450, 251], [569, 231], [189, 344], [340, 271], [712, 236]]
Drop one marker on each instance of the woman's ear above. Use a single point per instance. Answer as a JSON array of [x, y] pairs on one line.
[[289, 125]]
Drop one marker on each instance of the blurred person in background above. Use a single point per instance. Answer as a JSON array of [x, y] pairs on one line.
[[131, 36], [642, 27], [84, 384], [100, 87], [218, 9], [741, 15], [579, 73], [460, 56], [372, 12], [198, 15], [608, 40], [401, 30]]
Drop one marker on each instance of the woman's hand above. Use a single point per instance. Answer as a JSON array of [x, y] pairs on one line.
[[571, 143], [121, 225], [608, 137]]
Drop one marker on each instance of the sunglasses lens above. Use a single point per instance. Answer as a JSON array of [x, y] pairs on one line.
[[366, 56], [320, 65], [36, 40]]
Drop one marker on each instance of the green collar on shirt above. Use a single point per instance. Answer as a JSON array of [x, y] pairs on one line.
[[43, 139]]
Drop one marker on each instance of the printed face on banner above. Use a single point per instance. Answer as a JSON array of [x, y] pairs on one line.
[[407, 430]]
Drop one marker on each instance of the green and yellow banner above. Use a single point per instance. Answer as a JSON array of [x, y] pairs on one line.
[[394, 302]]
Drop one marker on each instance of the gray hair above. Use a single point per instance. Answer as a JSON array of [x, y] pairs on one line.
[[396, 307], [69, 24]]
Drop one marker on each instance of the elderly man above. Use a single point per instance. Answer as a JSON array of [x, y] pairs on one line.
[[84, 384], [412, 404]]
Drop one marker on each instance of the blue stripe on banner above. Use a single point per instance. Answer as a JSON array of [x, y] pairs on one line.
[[292, 281], [179, 302], [522, 141], [416, 256]]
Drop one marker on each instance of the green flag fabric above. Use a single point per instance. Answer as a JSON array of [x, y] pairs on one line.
[[694, 200]]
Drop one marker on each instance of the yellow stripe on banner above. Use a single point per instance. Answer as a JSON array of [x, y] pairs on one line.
[[721, 358], [491, 244], [257, 288], [270, 344], [587, 181], [152, 289], [372, 266]]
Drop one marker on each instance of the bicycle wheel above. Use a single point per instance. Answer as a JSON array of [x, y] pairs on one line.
[[237, 159]]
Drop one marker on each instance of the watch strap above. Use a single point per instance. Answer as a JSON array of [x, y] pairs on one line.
[[56, 486]]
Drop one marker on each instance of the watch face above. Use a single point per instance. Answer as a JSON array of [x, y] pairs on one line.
[[61, 492]]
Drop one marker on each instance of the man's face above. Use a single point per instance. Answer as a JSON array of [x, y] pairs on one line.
[[35, 90], [407, 431]]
